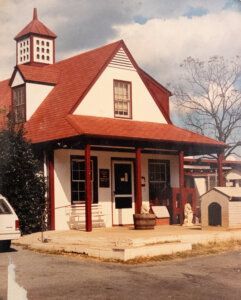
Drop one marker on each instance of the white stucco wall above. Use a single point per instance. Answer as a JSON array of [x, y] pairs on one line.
[[18, 80], [201, 186], [62, 181], [35, 94], [99, 100]]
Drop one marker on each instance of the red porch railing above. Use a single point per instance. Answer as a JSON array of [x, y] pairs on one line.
[[179, 199]]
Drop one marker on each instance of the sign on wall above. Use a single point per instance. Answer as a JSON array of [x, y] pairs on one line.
[[104, 178]]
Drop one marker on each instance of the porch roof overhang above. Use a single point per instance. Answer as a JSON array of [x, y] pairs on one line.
[[108, 132]]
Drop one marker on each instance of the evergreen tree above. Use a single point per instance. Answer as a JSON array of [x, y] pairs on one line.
[[21, 179]]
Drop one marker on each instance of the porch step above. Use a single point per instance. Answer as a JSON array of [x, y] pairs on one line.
[[77, 216], [125, 254]]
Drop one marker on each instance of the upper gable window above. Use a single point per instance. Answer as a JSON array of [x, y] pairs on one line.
[[19, 104], [122, 99]]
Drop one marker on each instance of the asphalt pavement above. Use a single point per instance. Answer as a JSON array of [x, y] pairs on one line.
[[47, 276]]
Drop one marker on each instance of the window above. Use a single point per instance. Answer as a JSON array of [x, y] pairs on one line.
[[47, 44], [42, 43], [19, 107], [37, 49], [122, 99], [37, 42], [78, 179], [159, 181], [38, 56], [4, 209]]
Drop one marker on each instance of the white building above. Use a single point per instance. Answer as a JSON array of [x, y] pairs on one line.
[[103, 127]]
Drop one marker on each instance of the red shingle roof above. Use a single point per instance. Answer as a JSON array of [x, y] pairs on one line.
[[155, 88], [39, 74], [5, 102], [36, 27], [128, 129]]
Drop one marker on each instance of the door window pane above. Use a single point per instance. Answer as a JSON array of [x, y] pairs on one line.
[[159, 182], [123, 180]]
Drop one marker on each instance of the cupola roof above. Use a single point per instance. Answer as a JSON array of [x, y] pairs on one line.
[[35, 27]]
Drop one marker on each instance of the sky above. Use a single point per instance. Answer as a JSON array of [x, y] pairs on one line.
[[160, 34]]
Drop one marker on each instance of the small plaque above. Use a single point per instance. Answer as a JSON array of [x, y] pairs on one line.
[[160, 211], [104, 178]]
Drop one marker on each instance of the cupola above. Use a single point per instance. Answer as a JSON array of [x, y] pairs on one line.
[[35, 44]]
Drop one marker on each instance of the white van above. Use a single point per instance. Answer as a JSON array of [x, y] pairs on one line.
[[9, 224]]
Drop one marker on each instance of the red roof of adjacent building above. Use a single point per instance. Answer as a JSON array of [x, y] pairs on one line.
[[35, 27]]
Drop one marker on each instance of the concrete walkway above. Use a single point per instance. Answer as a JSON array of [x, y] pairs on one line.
[[124, 243]]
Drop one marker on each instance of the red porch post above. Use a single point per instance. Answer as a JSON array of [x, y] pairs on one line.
[[88, 219], [181, 183], [138, 182], [220, 169], [51, 189]]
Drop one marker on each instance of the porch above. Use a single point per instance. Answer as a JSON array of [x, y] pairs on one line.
[[108, 180], [124, 243]]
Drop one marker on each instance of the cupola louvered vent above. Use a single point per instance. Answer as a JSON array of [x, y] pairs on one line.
[[122, 61]]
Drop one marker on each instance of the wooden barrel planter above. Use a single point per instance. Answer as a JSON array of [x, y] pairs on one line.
[[144, 221]]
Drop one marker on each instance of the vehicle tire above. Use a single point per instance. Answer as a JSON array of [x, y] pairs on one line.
[[5, 245]]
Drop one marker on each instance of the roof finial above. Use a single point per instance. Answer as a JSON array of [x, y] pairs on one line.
[[35, 14]]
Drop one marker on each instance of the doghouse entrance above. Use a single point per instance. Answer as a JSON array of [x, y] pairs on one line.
[[214, 214]]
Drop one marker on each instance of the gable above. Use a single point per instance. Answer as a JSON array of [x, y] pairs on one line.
[[17, 80], [121, 61], [99, 100], [35, 95]]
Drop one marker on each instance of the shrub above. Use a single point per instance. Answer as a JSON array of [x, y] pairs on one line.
[[21, 179]]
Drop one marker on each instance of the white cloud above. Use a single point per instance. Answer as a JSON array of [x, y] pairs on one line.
[[161, 45]]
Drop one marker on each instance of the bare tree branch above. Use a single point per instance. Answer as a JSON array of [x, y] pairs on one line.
[[209, 98]]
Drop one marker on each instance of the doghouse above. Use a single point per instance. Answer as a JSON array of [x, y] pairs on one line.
[[221, 206]]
